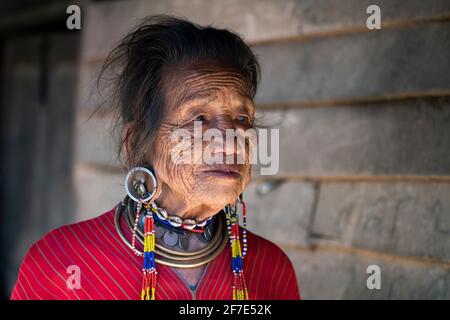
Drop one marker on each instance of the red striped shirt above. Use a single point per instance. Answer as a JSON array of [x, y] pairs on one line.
[[109, 269]]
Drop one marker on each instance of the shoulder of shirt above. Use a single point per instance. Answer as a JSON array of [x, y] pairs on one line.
[[76, 231], [36, 258]]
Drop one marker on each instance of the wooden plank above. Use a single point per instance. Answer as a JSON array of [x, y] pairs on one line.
[[256, 20], [281, 212], [409, 138], [388, 62], [400, 218], [336, 275]]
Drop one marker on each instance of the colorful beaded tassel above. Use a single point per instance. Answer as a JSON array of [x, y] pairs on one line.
[[149, 276], [239, 286], [240, 291]]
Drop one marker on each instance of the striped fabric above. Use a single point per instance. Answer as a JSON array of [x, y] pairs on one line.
[[109, 270]]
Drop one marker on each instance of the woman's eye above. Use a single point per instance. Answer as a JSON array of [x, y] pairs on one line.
[[244, 119], [200, 118]]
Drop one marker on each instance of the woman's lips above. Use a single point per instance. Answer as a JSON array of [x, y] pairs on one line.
[[226, 173]]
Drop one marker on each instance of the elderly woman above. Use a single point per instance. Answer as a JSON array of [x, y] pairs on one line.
[[176, 234]]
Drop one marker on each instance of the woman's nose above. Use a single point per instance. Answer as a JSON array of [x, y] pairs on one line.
[[232, 147]]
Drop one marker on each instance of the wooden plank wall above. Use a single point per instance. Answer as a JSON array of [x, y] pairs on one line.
[[364, 127]]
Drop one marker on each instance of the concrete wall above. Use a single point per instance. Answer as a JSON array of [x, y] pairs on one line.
[[364, 127]]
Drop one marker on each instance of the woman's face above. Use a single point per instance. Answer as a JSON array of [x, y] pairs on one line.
[[205, 97]]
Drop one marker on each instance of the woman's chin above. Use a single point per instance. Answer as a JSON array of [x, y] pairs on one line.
[[218, 189], [219, 195]]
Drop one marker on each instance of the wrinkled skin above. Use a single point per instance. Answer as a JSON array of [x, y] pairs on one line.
[[219, 98]]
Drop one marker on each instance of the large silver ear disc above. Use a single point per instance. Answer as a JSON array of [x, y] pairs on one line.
[[139, 175]]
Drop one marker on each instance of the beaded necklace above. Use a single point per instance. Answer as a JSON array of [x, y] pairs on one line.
[[152, 212]]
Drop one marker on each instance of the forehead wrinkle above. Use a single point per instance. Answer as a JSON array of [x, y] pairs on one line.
[[225, 76], [216, 84], [215, 81], [199, 83], [199, 76], [208, 84], [204, 91], [179, 76], [200, 99]]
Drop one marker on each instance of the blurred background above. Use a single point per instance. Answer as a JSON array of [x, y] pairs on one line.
[[364, 118]]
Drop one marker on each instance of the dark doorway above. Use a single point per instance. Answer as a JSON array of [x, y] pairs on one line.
[[39, 61]]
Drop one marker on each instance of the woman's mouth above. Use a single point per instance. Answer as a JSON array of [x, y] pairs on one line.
[[225, 172]]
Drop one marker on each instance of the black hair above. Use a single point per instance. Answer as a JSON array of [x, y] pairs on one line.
[[138, 64]]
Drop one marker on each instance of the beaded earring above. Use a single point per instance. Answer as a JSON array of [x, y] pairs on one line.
[[149, 271], [135, 181], [240, 291]]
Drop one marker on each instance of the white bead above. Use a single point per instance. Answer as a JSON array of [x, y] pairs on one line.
[[163, 213], [175, 221], [189, 224]]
